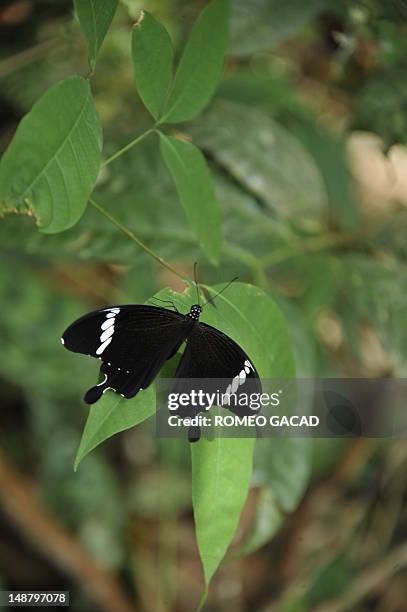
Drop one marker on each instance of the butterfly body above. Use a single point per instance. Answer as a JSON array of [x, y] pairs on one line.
[[134, 341]]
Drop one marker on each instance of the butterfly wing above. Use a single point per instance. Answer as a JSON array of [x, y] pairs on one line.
[[212, 355], [133, 342]]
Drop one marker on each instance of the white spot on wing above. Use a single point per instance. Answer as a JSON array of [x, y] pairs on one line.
[[238, 380], [248, 366], [62, 341], [235, 384], [107, 333], [103, 346], [108, 323]]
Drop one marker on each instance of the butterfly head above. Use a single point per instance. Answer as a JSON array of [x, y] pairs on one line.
[[195, 312]]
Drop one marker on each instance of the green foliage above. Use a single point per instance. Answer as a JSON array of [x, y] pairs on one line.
[[95, 17], [198, 72], [251, 318], [261, 155], [283, 466], [329, 153], [260, 25], [201, 64], [98, 517], [374, 291], [153, 56], [382, 106], [30, 329], [52, 164], [241, 314], [271, 177], [192, 178]]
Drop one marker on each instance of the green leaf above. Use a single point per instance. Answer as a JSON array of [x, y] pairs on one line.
[[263, 24], [201, 64], [266, 523], [251, 318], [192, 178], [95, 17], [329, 151], [51, 165], [284, 465], [153, 56], [265, 159], [221, 472], [111, 414]]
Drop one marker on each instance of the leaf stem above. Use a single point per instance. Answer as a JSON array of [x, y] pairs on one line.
[[251, 261], [140, 243], [310, 245], [128, 146]]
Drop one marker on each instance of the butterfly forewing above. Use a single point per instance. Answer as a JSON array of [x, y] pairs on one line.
[[133, 341]]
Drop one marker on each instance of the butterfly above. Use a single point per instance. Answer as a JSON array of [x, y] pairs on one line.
[[134, 341]]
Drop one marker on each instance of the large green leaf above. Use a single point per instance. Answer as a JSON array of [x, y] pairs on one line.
[[263, 24], [112, 414], [221, 473], [95, 17], [265, 158], [201, 64], [252, 319], [249, 316], [194, 184], [51, 165], [152, 59]]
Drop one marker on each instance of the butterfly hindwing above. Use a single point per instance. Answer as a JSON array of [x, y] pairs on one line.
[[210, 353], [214, 358], [133, 341]]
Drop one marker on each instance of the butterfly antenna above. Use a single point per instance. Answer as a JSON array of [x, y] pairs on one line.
[[221, 291], [196, 281]]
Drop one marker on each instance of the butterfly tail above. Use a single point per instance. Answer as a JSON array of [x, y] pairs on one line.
[[194, 433], [123, 382], [96, 392]]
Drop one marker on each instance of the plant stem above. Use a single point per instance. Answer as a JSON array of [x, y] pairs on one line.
[[251, 261], [310, 245], [24, 58], [141, 244], [128, 146]]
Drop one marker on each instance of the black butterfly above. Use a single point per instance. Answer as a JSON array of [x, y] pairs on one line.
[[134, 342]]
